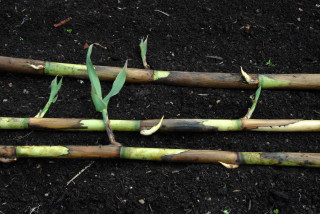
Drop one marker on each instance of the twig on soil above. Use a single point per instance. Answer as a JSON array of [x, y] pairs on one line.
[[21, 137], [315, 111], [79, 173], [62, 22], [162, 12], [34, 209], [100, 45], [215, 57]]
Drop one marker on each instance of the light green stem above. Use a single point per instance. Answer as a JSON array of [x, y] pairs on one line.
[[266, 82]]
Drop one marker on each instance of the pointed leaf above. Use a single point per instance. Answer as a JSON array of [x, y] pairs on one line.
[[92, 74], [99, 104], [143, 48], [117, 84], [55, 87], [54, 99]]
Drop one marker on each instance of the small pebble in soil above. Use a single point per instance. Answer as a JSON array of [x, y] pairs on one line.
[[5, 100], [46, 194], [141, 201], [25, 91]]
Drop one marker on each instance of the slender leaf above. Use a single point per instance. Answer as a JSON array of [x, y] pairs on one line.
[[99, 104], [92, 74], [143, 48], [254, 103], [117, 84], [55, 87]]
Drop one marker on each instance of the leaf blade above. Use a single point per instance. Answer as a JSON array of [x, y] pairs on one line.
[[117, 84], [95, 82], [99, 104]]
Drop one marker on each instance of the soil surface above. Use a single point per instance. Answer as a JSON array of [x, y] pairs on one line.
[[240, 33]]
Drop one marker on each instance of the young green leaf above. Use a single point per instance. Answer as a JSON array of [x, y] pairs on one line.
[[254, 103], [99, 104], [96, 93], [92, 74], [117, 84], [55, 87], [143, 48]]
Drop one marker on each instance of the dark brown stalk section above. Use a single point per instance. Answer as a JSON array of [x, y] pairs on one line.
[[108, 151], [21, 65], [203, 156], [201, 79]]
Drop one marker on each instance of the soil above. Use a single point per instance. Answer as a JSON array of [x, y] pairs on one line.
[[242, 33]]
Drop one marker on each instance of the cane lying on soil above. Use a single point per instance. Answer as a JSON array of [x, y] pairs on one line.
[[194, 79], [226, 158]]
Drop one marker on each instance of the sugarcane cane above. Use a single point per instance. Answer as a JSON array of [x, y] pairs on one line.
[[192, 79], [167, 125], [226, 158]]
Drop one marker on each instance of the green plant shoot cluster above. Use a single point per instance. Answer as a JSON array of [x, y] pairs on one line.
[[143, 48], [270, 64], [55, 87], [101, 104]]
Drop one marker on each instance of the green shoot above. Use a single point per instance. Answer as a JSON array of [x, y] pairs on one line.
[[254, 103], [68, 30], [20, 38], [55, 87], [100, 104], [276, 211], [270, 64], [226, 212], [143, 48]]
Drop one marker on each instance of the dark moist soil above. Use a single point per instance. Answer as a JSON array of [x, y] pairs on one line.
[[244, 34]]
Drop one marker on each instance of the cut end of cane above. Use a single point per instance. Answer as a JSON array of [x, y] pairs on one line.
[[147, 132], [248, 79], [229, 166]]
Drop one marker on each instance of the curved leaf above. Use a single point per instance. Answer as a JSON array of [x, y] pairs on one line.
[[55, 87], [117, 84]]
